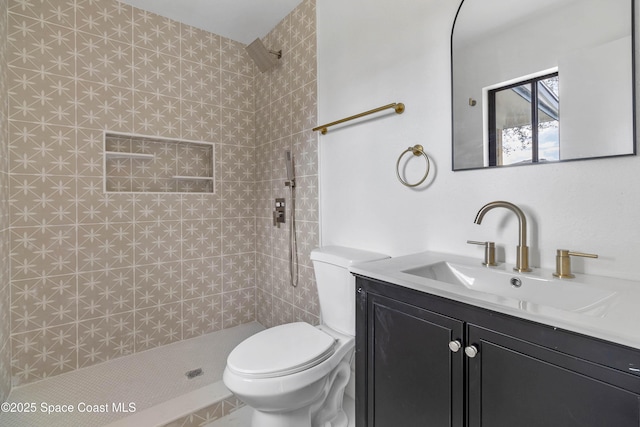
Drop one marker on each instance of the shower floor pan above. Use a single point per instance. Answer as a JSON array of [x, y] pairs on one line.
[[154, 381]]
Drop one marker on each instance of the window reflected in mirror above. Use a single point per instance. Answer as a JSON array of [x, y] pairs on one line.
[[524, 122]]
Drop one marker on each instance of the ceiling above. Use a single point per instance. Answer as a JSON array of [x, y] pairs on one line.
[[240, 20]]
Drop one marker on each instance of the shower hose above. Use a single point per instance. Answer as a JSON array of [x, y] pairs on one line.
[[293, 239]]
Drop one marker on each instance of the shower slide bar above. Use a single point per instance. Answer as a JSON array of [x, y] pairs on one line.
[[399, 107]]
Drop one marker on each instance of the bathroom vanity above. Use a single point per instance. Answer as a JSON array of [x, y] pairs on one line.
[[430, 354]]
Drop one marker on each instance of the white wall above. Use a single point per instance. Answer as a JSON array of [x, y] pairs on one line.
[[374, 52]]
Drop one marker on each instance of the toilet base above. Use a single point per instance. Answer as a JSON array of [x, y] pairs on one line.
[[299, 418], [326, 412]]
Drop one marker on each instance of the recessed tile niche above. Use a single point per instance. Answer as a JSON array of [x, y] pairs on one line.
[[147, 164]]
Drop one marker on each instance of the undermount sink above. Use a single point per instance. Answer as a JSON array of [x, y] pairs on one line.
[[530, 292]]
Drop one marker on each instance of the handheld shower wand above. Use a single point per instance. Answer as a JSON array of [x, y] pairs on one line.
[[293, 240], [291, 181]]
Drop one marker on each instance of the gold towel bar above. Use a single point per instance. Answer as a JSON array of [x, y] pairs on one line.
[[399, 107]]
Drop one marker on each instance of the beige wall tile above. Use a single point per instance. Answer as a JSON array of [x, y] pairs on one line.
[[238, 235], [60, 13], [157, 284], [238, 307], [199, 239], [306, 294], [89, 152], [158, 325], [234, 59], [202, 47], [202, 277], [43, 251], [239, 199], [200, 121], [105, 338], [265, 276], [42, 200], [106, 292], [201, 315], [200, 206], [39, 45], [153, 207], [145, 269], [307, 198], [237, 126], [43, 353], [102, 106], [285, 113], [157, 241], [43, 302], [41, 98], [239, 272], [155, 114], [109, 19], [281, 285], [202, 83], [100, 59], [5, 274], [38, 148], [95, 206], [105, 246], [301, 315], [305, 152], [157, 72], [283, 312], [5, 370], [305, 102], [156, 33]]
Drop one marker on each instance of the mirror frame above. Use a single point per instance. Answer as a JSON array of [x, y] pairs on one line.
[[634, 95]]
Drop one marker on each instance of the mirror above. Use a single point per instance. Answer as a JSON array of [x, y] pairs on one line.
[[537, 81]]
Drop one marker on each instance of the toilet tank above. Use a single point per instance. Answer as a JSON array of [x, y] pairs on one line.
[[336, 286]]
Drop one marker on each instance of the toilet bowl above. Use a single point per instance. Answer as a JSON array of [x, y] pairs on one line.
[[294, 375], [284, 396]]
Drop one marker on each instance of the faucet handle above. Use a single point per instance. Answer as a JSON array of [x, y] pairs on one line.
[[489, 252], [563, 262]]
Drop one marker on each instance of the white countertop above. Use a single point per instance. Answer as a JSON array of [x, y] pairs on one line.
[[617, 320]]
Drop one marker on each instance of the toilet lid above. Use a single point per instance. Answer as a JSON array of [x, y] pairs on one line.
[[281, 350]]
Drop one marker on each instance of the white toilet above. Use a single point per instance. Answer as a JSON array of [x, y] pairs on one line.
[[294, 375]]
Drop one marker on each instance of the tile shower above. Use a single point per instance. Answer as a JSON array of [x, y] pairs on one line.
[[93, 276]]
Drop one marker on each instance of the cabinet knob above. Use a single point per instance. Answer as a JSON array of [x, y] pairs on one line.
[[471, 351], [455, 346]]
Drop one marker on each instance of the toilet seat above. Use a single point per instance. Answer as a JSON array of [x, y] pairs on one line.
[[281, 350]]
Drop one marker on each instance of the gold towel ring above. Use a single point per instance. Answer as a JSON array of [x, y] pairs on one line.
[[417, 150]]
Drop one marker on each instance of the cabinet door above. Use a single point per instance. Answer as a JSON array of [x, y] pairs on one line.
[[413, 378], [515, 383]]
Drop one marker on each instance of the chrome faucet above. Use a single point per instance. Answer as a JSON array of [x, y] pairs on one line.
[[522, 255]]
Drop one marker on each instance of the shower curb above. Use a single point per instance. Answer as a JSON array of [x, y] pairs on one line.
[[209, 414], [193, 409]]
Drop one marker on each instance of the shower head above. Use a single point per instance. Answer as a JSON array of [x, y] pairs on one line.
[[264, 58]]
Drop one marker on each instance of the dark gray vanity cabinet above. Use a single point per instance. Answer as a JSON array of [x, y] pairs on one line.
[[525, 374], [411, 373]]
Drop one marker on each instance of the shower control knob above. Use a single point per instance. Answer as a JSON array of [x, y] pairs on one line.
[[455, 346], [471, 351]]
